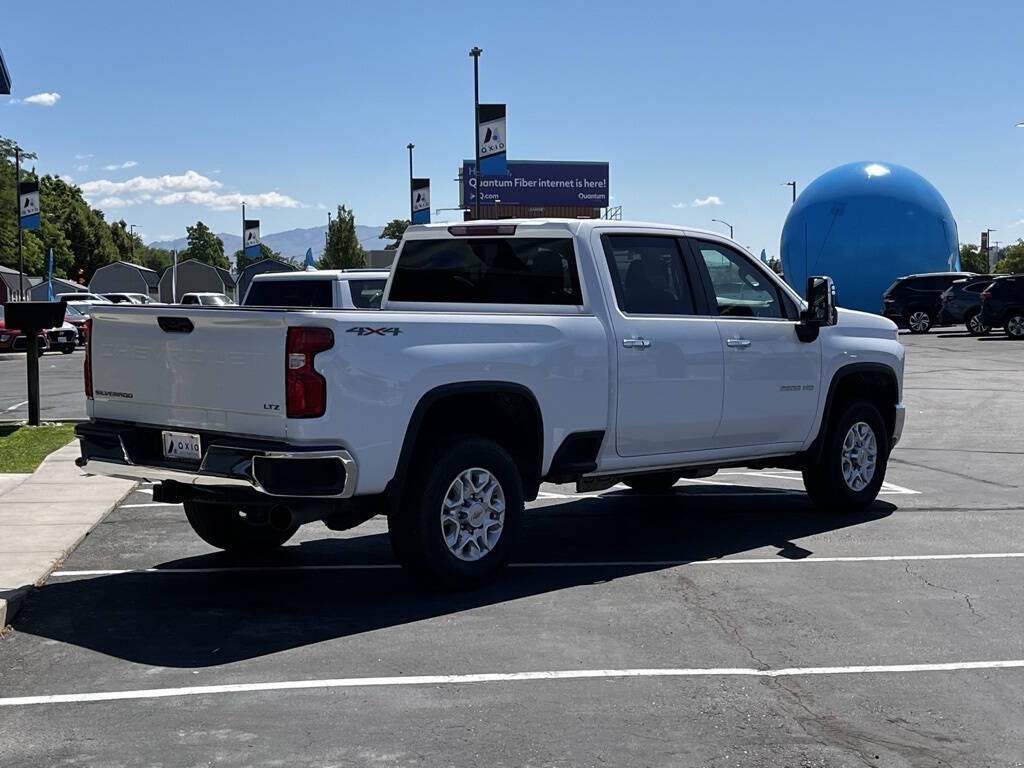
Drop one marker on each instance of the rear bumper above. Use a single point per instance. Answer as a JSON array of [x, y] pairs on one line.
[[275, 469]]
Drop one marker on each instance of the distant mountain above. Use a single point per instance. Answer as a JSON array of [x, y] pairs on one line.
[[292, 243]]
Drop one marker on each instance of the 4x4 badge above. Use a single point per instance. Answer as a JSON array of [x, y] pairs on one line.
[[363, 330]]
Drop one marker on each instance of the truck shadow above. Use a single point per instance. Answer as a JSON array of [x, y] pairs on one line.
[[206, 619]]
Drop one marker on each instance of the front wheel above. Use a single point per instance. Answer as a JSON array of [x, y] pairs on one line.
[[234, 528], [1015, 326], [849, 473], [919, 321], [459, 516], [976, 326]]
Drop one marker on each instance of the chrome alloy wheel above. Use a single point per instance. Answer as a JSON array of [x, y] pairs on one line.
[[919, 321], [473, 514], [975, 325], [1015, 326], [860, 452]]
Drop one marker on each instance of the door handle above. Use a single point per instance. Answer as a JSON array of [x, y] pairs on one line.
[[739, 343], [637, 343]]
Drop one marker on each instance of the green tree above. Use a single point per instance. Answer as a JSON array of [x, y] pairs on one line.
[[204, 246], [972, 259], [157, 259], [343, 250], [242, 261], [1011, 258], [394, 231]]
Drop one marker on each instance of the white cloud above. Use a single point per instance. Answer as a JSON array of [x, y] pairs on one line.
[[709, 200], [42, 99], [82, 167], [116, 167], [678, 205], [84, 156], [189, 187], [1018, 223], [66, 179]]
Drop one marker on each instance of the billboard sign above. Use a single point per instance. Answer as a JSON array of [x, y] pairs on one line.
[[421, 201], [251, 238], [491, 137], [28, 204], [539, 183], [5, 77]]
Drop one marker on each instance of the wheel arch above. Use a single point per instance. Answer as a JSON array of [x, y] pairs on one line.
[[851, 382], [519, 428]]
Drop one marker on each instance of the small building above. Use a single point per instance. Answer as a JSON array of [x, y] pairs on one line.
[[125, 277], [196, 277], [9, 284], [380, 259], [41, 292], [261, 267]]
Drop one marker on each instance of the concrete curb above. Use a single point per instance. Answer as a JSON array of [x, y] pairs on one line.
[[31, 548]]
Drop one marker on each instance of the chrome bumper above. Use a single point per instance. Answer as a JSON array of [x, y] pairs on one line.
[[897, 423], [105, 451]]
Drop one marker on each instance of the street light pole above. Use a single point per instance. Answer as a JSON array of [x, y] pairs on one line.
[[131, 237], [726, 224], [17, 205], [475, 54], [411, 211], [793, 185]]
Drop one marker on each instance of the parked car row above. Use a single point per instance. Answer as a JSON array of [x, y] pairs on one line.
[[979, 302], [64, 339]]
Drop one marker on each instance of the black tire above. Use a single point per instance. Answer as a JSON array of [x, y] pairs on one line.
[[67, 350], [974, 324], [920, 318], [224, 527], [1015, 325], [415, 526], [825, 483], [656, 482]]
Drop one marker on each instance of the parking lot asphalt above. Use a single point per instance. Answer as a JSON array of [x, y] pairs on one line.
[[61, 394], [723, 624]]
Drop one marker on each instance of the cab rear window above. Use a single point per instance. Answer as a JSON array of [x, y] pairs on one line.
[[290, 293], [480, 270]]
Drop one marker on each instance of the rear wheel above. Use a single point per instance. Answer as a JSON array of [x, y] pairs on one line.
[[460, 514], [656, 482], [975, 325], [919, 321], [849, 473], [234, 529], [1015, 325]]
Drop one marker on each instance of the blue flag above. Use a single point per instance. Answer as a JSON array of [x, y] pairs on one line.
[[310, 265], [764, 256], [49, 278]]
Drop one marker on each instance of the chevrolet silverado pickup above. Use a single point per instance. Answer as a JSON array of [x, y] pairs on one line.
[[505, 354]]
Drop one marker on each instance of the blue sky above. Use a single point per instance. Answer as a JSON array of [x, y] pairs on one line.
[[299, 106]]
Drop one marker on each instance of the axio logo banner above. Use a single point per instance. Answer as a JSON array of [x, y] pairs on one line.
[[491, 135], [251, 238], [421, 201], [28, 204]]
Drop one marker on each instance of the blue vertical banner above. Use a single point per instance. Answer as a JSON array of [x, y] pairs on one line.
[[251, 238], [49, 279], [310, 264], [421, 201], [491, 137], [28, 204]]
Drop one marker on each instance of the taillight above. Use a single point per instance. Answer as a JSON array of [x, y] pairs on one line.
[[986, 294], [305, 389], [88, 358]]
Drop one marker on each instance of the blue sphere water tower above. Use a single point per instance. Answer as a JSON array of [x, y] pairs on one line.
[[865, 224]]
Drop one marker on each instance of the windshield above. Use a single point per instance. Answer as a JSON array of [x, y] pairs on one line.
[[218, 300], [291, 293], [71, 311]]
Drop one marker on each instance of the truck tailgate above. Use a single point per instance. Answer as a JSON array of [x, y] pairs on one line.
[[216, 369]]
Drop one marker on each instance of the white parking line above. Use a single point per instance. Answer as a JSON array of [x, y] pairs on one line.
[[583, 564], [16, 406], [503, 677], [889, 489]]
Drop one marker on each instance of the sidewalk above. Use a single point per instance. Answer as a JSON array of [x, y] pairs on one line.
[[44, 517]]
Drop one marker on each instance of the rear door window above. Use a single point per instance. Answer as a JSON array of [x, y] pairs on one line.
[[291, 293], [366, 294], [483, 270], [648, 275]]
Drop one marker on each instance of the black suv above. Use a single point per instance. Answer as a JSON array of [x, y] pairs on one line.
[[1002, 303], [914, 301], [961, 303]]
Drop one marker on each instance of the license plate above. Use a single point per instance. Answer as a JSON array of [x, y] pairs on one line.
[[182, 445]]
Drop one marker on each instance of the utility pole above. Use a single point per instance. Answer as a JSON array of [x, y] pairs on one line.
[[131, 237], [243, 230], [793, 185], [17, 206], [411, 211], [327, 234], [475, 54]]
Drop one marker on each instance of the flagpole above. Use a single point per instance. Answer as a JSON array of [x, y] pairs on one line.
[[17, 203], [174, 278], [243, 233]]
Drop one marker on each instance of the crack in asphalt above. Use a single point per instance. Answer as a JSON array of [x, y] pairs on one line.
[[957, 592], [951, 472]]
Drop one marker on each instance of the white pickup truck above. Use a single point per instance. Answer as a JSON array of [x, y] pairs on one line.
[[505, 354]]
